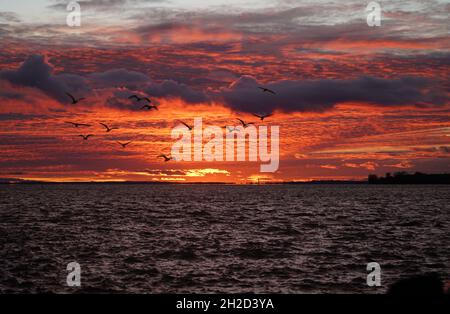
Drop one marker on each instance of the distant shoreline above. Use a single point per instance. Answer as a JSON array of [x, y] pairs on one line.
[[217, 183], [177, 183], [399, 178]]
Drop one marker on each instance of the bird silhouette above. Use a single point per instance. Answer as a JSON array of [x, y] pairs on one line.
[[149, 107], [262, 117], [186, 125], [108, 129], [232, 129], [166, 158], [138, 99], [86, 137], [245, 124], [77, 124], [74, 100], [124, 145], [266, 90]]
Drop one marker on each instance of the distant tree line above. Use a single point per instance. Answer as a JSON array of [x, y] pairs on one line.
[[407, 178]]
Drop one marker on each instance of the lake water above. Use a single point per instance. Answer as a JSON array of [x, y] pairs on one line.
[[220, 238]]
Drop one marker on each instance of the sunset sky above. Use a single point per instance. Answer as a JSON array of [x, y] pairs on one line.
[[350, 99]]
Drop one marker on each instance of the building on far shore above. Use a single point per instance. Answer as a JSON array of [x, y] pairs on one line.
[[406, 178]]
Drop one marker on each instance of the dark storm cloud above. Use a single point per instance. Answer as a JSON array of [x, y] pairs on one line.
[[120, 100], [243, 95], [36, 72], [120, 78], [167, 89], [301, 96], [320, 95], [173, 89]]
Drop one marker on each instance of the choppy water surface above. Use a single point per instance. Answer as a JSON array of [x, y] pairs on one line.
[[209, 238]]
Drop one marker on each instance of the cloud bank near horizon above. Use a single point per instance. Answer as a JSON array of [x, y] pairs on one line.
[[243, 95]]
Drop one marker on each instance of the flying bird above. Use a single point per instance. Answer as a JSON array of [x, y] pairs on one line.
[[86, 137], [232, 129], [124, 145], [74, 100], [186, 125], [149, 107], [77, 124], [262, 117], [166, 158], [244, 124], [108, 129], [266, 90], [138, 99]]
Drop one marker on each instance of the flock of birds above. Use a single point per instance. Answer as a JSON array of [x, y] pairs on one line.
[[149, 106]]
